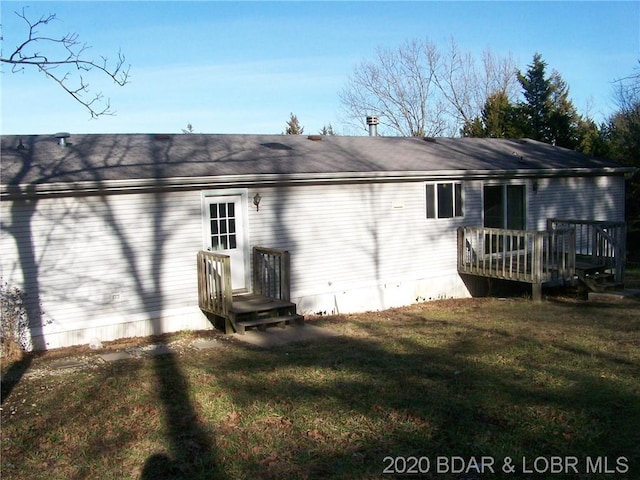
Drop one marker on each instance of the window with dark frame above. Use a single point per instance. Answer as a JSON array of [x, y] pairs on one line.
[[444, 200]]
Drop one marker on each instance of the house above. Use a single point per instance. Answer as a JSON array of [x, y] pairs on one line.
[[102, 231]]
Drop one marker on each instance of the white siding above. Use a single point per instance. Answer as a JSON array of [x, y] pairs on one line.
[[584, 198], [112, 266], [359, 247], [124, 265]]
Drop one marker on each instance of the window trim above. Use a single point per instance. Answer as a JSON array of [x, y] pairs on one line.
[[432, 204]]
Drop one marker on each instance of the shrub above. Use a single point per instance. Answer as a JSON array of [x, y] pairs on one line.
[[14, 331]]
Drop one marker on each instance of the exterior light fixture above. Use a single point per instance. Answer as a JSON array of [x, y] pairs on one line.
[[535, 186], [256, 201]]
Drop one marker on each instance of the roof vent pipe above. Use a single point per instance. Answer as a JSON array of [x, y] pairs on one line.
[[372, 121], [62, 138]]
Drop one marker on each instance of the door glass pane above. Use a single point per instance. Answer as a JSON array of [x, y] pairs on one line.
[[493, 207], [223, 226], [516, 207]]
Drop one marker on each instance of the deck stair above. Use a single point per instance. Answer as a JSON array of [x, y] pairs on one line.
[[250, 310], [596, 278], [267, 305]]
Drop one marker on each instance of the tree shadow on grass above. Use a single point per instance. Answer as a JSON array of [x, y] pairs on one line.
[[192, 452], [416, 400]]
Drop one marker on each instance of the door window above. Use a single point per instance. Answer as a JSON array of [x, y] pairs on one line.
[[222, 217]]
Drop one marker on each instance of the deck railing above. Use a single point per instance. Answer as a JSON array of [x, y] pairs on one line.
[[214, 283], [598, 242], [520, 255], [271, 273]]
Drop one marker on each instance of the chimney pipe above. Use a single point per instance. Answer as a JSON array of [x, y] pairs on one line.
[[372, 121], [62, 138]]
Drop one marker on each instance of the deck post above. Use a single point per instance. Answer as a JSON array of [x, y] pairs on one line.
[[536, 292], [536, 266]]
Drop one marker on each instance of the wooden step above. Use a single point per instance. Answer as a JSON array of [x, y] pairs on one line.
[[600, 282], [263, 323], [588, 267], [249, 303], [250, 310]]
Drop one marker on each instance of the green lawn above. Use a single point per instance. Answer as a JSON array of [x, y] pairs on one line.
[[503, 379]]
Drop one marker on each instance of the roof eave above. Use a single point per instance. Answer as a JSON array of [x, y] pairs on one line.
[[227, 181]]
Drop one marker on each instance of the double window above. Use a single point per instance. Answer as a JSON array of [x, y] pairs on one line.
[[444, 200]]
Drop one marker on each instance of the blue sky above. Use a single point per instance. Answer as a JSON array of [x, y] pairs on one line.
[[242, 67]]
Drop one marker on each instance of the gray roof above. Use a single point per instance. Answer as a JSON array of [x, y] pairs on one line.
[[38, 164]]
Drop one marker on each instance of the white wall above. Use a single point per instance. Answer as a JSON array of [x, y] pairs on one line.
[[359, 247], [124, 265], [106, 267]]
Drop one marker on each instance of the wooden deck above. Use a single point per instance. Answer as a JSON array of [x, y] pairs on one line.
[[592, 253], [268, 305]]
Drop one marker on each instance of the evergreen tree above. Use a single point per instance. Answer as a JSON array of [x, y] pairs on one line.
[[536, 90], [328, 130], [473, 128], [591, 138], [563, 117], [293, 126], [499, 119]]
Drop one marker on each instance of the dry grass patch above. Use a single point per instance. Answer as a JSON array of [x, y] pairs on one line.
[[466, 377]]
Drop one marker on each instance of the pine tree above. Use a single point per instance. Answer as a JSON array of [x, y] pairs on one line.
[[536, 90], [328, 130], [293, 126]]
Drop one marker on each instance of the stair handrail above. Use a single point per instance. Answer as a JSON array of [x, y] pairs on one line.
[[272, 273], [610, 251], [603, 241], [214, 283]]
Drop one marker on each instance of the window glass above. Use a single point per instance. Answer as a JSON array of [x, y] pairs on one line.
[[458, 200], [515, 207], [444, 200], [505, 206], [223, 226], [431, 201], [493, 206]]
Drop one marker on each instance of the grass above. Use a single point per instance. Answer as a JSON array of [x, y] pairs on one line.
[[465, 378]]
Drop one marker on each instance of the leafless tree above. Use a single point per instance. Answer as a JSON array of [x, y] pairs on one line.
[[65, 60], [419, 89], [627, 91]]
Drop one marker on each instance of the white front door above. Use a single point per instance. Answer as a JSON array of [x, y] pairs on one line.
[[224, 233]]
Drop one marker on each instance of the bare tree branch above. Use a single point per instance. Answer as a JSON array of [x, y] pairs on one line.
[[419, 90], [627, 91], [57, 58]]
